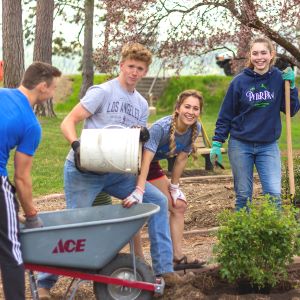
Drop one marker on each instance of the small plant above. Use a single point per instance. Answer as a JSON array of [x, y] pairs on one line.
[[258, 244]]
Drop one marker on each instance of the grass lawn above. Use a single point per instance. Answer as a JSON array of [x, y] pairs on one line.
[[48, 163], [47, 173]]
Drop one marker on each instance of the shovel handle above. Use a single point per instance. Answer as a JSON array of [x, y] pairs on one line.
[[289, 138]]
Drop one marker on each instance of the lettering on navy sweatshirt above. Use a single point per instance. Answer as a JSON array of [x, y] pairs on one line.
[[251, 108]]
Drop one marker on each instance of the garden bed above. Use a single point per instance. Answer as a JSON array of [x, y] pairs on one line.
[[207, 196]]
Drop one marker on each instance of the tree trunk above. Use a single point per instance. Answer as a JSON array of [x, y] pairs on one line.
[[12, 43], [43, 46], [87, 64]]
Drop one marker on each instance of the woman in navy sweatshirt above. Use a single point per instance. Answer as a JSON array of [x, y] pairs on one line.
[[250, 113]]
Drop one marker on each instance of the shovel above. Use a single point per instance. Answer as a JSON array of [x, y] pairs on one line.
[[289, 141]]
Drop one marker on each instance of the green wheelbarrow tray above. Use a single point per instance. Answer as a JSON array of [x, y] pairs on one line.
[[87, 238]]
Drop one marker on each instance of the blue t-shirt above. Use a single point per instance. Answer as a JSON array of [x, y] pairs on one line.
[[19, 126], [159, 142]]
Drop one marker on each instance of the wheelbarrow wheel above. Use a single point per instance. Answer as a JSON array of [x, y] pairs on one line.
[[121, 267]]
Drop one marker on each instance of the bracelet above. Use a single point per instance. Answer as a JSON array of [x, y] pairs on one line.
[[140, 189]]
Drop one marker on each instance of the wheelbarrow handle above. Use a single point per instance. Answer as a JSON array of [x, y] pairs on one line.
[[289, 138]]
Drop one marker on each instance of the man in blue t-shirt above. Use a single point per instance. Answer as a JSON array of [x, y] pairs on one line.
[[20, 129]]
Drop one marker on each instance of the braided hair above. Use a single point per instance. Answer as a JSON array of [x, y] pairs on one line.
[[181, 97]]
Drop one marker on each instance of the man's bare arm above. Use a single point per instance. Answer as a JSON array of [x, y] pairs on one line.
[[68, 125], [23, 183]]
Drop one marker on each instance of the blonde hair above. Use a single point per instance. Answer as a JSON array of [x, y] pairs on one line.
[[181, 97], [269, 45], [136, 51]]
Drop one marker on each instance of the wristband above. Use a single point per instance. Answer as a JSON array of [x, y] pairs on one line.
[[140, 189]]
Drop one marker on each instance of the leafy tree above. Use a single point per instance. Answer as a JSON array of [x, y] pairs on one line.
[[83, 17], [12, 39], [124, 22], [65, 12], [198, 27], [45, 45], [75, 14]]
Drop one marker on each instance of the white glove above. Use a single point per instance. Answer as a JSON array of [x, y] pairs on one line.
[[176, 194], [33, 222], [135, 197]]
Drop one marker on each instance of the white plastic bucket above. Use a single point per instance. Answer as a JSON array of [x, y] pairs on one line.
[[116, 150]]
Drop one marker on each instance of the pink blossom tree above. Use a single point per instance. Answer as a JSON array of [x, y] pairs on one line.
[[176, 29]]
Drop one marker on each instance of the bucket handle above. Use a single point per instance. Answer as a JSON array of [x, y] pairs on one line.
[[108, 126], [118, 126]]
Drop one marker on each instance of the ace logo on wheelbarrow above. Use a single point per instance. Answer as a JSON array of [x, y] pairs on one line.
[[69, 246]]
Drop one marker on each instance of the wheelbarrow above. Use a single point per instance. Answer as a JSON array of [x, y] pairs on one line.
[[85, 243]]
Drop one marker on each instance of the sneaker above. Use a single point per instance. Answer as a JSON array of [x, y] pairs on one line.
[[172, 279], [44, 294]]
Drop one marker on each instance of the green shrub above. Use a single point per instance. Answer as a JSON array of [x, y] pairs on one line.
[[257, 245]]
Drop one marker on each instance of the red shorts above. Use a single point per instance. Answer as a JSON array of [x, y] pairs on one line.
[[155, 171]]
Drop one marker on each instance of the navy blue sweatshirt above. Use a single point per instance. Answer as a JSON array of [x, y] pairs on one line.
[[251, 108]]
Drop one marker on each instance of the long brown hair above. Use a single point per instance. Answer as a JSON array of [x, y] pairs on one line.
[[181, 97], [269, 45]]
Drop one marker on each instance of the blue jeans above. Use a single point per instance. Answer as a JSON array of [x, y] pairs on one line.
[[81, 190], [265, 157]]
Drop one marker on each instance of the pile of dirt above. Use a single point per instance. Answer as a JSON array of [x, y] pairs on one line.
[[209, 285]]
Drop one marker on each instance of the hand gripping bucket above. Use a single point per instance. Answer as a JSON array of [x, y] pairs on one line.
[[111, 149]]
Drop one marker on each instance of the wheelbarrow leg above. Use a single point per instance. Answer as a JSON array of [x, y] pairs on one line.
[[33, 285], [73, 287], [133, 257]]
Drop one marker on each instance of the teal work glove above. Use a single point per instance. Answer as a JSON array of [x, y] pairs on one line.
[[215, 152], [288, 74]]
